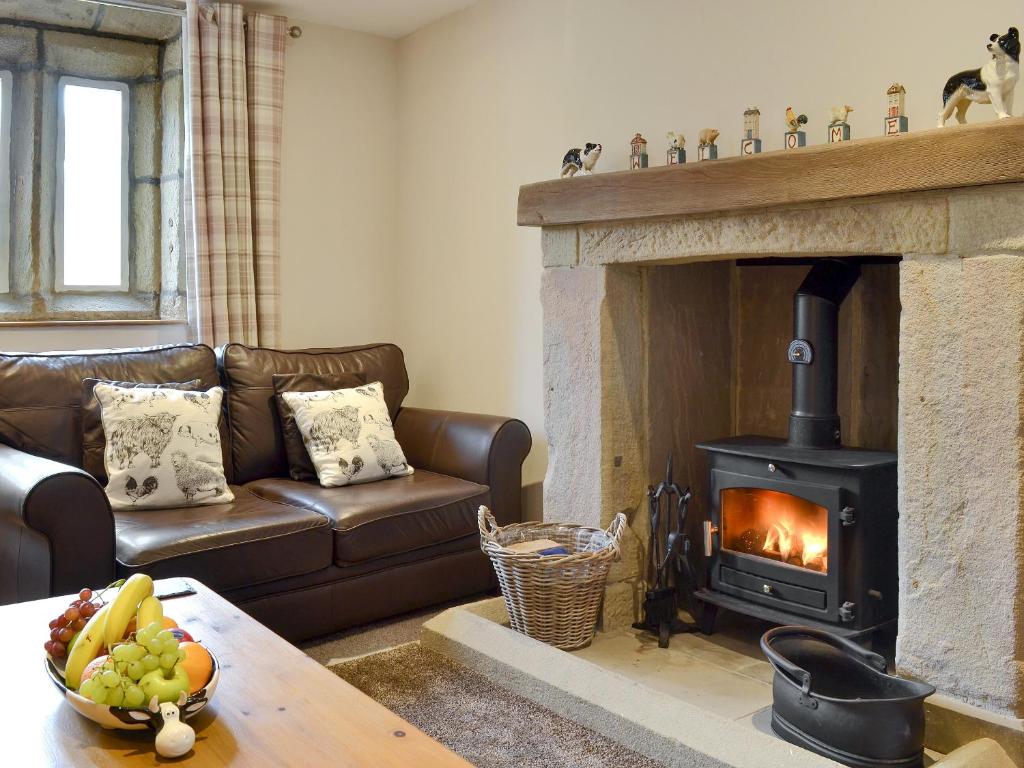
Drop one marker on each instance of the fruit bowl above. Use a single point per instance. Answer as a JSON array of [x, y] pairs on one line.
[[131, 718]]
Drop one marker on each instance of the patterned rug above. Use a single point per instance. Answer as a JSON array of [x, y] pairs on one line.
[[484, 723]]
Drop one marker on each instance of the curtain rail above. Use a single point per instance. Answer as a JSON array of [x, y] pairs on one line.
[[170, 7]]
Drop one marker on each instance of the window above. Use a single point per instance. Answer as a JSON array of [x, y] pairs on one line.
[[5, 180], [92, 186]]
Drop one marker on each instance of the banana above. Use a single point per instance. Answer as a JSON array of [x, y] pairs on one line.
[[87, 647], [136, 589], [150, 610]]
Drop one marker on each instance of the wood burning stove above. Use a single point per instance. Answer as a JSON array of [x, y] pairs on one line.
[[803, 530]]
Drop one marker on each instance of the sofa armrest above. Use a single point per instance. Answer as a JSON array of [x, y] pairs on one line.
[[489, 450], [56, 528]]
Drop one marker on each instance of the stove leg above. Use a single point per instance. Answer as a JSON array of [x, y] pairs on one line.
[[708, 615]]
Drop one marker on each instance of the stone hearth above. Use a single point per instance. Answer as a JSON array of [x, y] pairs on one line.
[[960, 421]]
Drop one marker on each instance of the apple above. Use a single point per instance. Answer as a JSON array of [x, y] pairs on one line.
[[182, 635], [92, 666], [155, 683], [198, 664]]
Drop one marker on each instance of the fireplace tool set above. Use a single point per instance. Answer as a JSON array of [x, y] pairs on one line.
[[667, 559]]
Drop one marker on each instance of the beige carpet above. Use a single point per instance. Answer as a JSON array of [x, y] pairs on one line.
[[486, 724], [376, 636]]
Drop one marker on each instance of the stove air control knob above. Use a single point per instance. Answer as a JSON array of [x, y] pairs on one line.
[[767, 589], [772, 467]]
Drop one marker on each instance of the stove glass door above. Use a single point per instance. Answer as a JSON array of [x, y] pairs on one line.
[[775, 525]]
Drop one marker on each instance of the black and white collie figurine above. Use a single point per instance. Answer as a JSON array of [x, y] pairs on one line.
[[992, 84], [574, 162]]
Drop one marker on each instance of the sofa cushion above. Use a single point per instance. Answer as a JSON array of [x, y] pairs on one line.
[[226, 546], [257, 446], [300, 466], [377, 520], [41, 394], [93, 441]]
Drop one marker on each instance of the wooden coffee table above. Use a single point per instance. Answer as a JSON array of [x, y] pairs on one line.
[[274, 706]]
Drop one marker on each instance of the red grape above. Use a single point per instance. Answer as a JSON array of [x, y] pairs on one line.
[[58, 649], [87, 610], [85, 594], [78, 625], [65, 635], [72, 613], [48, 645], [54, 633], [54, 623]]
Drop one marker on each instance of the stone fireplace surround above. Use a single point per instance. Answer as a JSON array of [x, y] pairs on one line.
[[961, 384]]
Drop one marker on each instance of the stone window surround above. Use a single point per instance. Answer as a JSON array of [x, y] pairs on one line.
[[38, 55], [961, 408]]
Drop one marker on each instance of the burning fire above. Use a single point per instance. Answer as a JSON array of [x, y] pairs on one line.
[[783, 539], [777, 525]]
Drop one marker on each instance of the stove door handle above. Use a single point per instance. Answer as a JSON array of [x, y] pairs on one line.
[[710, 529]]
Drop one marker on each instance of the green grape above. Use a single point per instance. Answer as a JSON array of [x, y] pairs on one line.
[[150, 662], [143, 636], [99, 694], [121, 653], [110, 678], [115, 696], [171, 646], [135, 670], [182, 653], [165, 636], [155, 646], [137, 653], [154, 628], [168, 660], [133, 696], [87, 688]]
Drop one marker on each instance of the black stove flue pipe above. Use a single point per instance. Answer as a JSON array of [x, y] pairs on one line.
[[814, 420]]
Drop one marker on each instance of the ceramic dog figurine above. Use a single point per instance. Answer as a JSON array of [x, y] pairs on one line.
[[707, 136], [581, 161], [991, 84]]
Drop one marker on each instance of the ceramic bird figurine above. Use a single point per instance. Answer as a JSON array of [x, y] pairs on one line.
[[174, 737], [793, 120], [581, 161], [839, 114]]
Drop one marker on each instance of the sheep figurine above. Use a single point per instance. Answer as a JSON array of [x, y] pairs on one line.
[[174, 737], [195, 477]]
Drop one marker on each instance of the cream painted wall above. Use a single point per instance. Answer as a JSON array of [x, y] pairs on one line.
[[492, 96], [339, 177]]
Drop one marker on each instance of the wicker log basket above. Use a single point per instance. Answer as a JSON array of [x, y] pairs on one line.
[[554, 599]]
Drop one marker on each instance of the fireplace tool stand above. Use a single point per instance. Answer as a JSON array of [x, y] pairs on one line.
[[667, 559]]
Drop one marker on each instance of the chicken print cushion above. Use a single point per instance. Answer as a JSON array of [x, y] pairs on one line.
[[348, 434], [163, 447]]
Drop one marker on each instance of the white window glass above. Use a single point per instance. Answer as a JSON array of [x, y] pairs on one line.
[[5, 180], [92, 191]]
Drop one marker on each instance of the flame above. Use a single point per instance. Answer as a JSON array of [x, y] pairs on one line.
[[785, 539], [789, 528]]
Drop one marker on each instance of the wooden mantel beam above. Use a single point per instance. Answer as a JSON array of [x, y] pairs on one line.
[[946, 158]]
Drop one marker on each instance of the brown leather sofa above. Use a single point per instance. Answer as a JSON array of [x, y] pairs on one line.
[[302, 559]]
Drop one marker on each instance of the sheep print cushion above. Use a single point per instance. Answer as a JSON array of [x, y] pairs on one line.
[[162, 447], [348, 434]]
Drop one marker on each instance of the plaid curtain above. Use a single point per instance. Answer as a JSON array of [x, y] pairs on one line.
[[236, 89]]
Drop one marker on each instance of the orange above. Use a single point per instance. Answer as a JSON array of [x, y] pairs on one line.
[[198, 664]]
